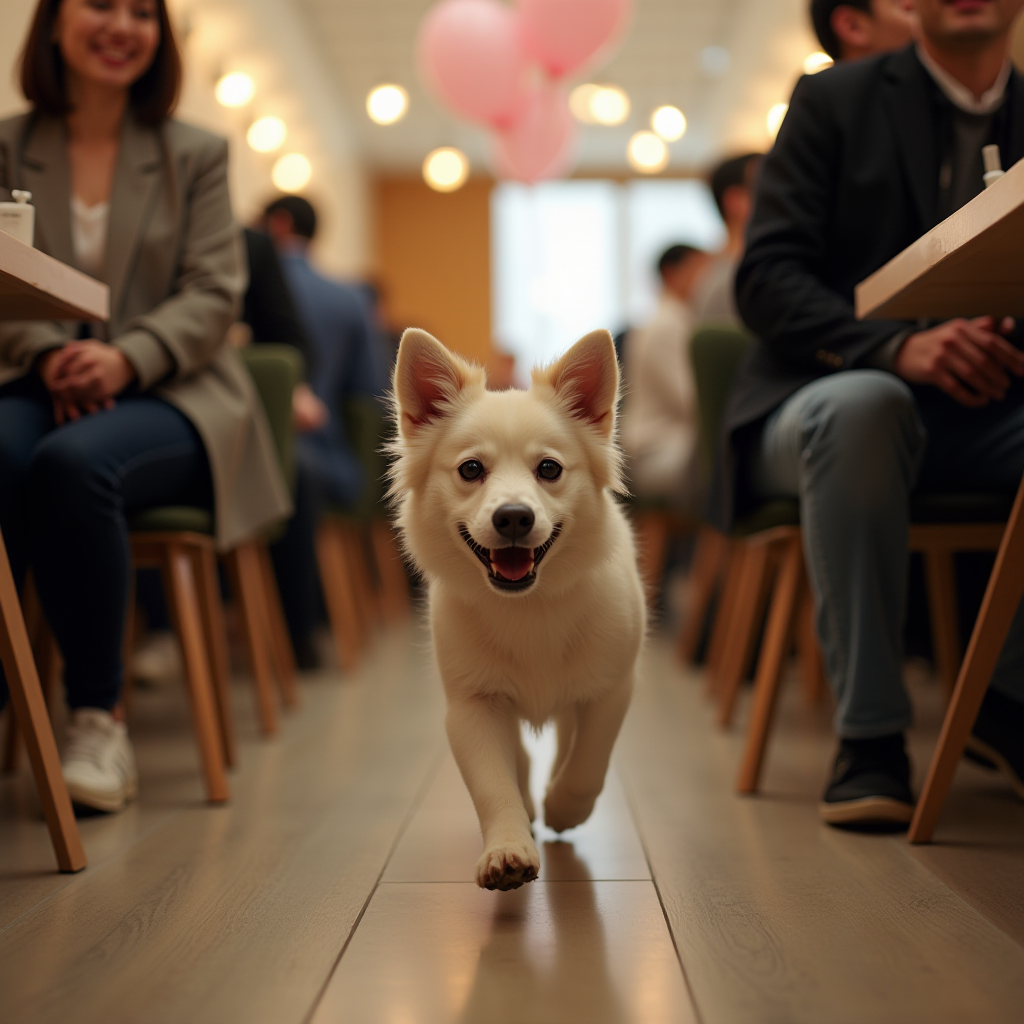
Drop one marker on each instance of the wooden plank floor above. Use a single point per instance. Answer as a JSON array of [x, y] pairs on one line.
[[336, 886]]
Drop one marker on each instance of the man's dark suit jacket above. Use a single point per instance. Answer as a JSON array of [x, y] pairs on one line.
[[853, 179]]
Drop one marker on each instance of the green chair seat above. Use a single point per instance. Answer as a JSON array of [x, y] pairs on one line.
[[173, 519]]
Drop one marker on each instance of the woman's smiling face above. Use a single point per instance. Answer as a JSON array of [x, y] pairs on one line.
[[108, 42]]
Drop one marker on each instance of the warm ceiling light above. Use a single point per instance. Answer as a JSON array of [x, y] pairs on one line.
[[387, 104], [609, 105], [647, 153], [266, 134], [774, 119], [817, 61], [599, 104], [715, 61], [446, 169], [291, 172], [235, 89], [669, 123]]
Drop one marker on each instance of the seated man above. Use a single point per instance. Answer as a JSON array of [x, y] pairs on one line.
[[852, 416], [852, 29], [659, 418], [344, 362]]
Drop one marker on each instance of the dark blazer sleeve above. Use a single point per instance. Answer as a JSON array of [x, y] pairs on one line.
[[780, 291], [269, 308]]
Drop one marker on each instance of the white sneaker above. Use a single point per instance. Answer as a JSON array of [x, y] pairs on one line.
[[156, 659], [99, 763]]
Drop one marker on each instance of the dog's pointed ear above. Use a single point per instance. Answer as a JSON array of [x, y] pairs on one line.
[[428, 378], [587, 379]]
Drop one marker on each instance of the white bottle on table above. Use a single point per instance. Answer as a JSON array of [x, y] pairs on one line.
[[19, 218]]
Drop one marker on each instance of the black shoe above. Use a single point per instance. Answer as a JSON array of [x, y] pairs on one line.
[[998, 737], [870, 785], [306, 657]]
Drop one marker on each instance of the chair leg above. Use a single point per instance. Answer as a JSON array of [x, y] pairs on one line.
[[722, 633], [1002, 598], [211, 613], [180, 586], [812, 665], [281, 652], [941, 578], [30, 709], [709, 560], [128, 648], [774, 648], [336, 578], [394, 581], [244, 573], [749, 609], [367, 601], [652, 534]]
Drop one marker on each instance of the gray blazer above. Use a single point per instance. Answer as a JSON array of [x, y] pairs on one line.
[[176, 276]]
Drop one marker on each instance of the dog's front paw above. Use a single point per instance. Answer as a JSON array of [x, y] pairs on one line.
[[508, 866], [564, 810]]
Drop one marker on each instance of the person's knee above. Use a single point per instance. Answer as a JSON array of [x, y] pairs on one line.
[[65, 473]]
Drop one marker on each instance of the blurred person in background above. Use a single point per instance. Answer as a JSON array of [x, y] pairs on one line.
[[659, 416], [345, 362], [852, 29], [732, 185], [99, 422]]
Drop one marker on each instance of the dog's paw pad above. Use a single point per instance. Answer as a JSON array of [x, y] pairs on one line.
[[507, 867]]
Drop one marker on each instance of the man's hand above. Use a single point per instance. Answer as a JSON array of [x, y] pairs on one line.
[[308, 412], [968, 359], [84, 377]]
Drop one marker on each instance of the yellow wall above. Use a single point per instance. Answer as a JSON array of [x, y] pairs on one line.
[[433, 259]]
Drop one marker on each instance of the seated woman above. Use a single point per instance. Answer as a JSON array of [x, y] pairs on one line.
[[101, 421]]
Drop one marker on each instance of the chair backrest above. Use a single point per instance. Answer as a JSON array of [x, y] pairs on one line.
[[276, 370], [715, 354]]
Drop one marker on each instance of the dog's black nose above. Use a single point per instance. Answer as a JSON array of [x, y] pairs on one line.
[[513, 521]]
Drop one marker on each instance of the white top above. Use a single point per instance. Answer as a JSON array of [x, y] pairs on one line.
[[958, 94], [89, 235], [659, 418]]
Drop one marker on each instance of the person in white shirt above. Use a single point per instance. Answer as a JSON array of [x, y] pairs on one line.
[[659, 431]]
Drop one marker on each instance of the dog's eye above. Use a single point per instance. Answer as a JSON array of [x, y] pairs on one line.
[[471, 470], [549, 469]]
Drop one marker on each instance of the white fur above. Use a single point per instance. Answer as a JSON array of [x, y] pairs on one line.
[[565, 648]]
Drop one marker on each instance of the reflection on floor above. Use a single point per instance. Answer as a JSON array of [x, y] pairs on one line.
[[337, 886]]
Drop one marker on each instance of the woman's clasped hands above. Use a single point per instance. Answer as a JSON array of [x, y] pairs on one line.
[[84, 377]]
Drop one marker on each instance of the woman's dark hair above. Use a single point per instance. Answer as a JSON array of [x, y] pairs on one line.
[[153, 97]]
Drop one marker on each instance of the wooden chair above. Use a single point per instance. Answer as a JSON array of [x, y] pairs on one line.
[[29, 709], [179, 541]]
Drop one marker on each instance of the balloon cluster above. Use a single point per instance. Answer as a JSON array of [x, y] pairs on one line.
[[503, 67]]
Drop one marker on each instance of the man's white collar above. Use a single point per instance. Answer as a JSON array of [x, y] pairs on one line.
[[958, 94]]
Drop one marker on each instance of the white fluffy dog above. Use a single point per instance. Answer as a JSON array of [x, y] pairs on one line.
[[505, 502]]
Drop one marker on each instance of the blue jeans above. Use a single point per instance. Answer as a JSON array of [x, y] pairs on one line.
[[852, 447], [65, 495]]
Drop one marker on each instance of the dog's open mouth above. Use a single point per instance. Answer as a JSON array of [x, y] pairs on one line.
[[511, 568]]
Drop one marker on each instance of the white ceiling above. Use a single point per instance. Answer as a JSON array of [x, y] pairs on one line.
[[366, 42]]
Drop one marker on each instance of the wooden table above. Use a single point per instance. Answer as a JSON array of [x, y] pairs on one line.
[[971, 264], [33, 286]]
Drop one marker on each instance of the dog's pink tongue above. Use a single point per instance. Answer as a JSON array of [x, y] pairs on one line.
[[512, 563]]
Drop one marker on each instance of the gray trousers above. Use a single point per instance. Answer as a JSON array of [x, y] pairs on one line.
[[852, 447]]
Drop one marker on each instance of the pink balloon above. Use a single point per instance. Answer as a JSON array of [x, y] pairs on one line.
[[539, 144], [471, 54], [562, 35]]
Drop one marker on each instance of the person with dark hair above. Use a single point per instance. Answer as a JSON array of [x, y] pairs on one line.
[[345, 362], [853, 416], [732, 185], [659, 416], [852, 29], [101, 421]]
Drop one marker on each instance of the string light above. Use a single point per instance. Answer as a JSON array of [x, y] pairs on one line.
[[817, 61], [647, 153], [599, 104], [234, 89], [446, 169], [669, 122], [266, 134], [291, 172], [775, 118], [387, 104]]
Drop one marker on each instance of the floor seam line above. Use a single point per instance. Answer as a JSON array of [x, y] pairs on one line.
[[631, 804], [414, 806]]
